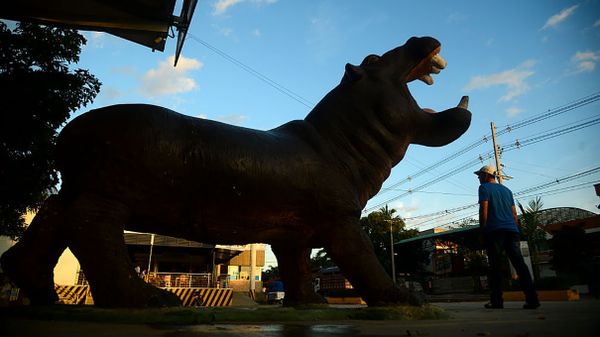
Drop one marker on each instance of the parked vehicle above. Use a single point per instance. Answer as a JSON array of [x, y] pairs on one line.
[[275, 292]]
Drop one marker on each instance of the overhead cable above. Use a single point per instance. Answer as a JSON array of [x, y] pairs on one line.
[[512, 146], [254, 73], [508, 128]]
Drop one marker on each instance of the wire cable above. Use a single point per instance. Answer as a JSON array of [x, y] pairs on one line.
[[578, 103], [282, 89], [526, 193], [506, 148]]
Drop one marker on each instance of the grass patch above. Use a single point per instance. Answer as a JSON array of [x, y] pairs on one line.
[[188, 316]]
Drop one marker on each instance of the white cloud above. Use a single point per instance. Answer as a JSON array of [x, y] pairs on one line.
[[554, 20], [585, 61], [513, 80], [456, 17], [167, 80], [233, 119], [110, 93], [221, 6], [226, 31], [597, 23], [256, 32], [96, 39], [513, 111], [263, 2]]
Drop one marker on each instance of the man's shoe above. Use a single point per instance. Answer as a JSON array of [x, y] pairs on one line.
[[533, 305], [491, 305]]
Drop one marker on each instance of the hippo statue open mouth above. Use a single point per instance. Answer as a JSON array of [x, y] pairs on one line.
[[299, 186]]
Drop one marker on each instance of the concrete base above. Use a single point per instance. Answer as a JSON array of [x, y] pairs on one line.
[[544, 295]]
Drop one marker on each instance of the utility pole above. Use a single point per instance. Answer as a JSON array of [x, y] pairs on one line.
[[252, 267], [149, 258], [392, 250], [497, 155]]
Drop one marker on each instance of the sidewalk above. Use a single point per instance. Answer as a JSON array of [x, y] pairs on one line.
[[576, 319]]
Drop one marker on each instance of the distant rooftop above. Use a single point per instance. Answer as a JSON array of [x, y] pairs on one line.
[[563, 214]]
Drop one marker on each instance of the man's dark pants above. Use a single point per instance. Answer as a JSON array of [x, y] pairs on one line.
[[507, 241]]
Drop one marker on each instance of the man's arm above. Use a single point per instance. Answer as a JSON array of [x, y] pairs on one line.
[[514, 211], [483, 214]]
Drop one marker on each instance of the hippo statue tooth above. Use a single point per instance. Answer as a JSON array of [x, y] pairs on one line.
[[438, 61], [464, 102], [436, 64]]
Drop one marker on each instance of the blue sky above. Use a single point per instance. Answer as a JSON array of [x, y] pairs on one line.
[[515, 59]]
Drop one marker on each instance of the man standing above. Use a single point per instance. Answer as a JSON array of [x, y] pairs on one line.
[[499, 226]]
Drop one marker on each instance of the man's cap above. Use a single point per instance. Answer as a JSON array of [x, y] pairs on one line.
[[487, 169]]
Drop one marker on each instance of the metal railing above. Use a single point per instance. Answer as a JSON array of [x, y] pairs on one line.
[[180, 280]]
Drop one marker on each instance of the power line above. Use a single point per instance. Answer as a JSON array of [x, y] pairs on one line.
[[526, 193], [552, 192], [552, 112], [563, 189], [559, 181], [506, 148], [518, 144], [508, 128], [254, 73], [435, 192]]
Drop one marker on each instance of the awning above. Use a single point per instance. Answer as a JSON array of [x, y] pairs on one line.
[[146, 22], [467, 236]]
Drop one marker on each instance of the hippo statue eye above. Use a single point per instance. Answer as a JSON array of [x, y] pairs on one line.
[[370, 60]]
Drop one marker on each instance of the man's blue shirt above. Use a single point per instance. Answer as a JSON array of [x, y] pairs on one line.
[[500, 201]]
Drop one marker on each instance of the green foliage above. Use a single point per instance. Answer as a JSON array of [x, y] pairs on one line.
[[39, 93], [532, 231], [321, 260], [270, 274], [378, 225], [475, 260]]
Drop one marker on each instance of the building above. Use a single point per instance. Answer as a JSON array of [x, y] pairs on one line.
[[451, 267], [171, 262]]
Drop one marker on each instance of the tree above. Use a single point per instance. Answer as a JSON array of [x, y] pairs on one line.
[[270, 274], [377, 226], [532, 231], [321, 260], [39, 91]]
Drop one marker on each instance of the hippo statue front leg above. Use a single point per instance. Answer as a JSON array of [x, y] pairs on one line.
[[295, 272], [352, 250]]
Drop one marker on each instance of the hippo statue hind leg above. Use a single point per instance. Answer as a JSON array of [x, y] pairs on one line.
[[30, 262], [93, 229], [96, 238]]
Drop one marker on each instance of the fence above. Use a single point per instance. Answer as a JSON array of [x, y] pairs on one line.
[[180, 280]]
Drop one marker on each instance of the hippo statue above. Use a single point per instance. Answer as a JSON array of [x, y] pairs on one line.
[[299, 186]]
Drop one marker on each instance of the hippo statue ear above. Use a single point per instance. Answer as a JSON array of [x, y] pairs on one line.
[[353, 73]]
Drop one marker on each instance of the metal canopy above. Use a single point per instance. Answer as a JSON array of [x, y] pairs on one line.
[[146, 22]]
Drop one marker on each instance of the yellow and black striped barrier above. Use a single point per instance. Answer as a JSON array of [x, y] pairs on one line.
[[190, 297], [72, 294], [205, 297]]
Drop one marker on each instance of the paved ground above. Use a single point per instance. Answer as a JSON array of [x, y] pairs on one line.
[[579, 318]]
